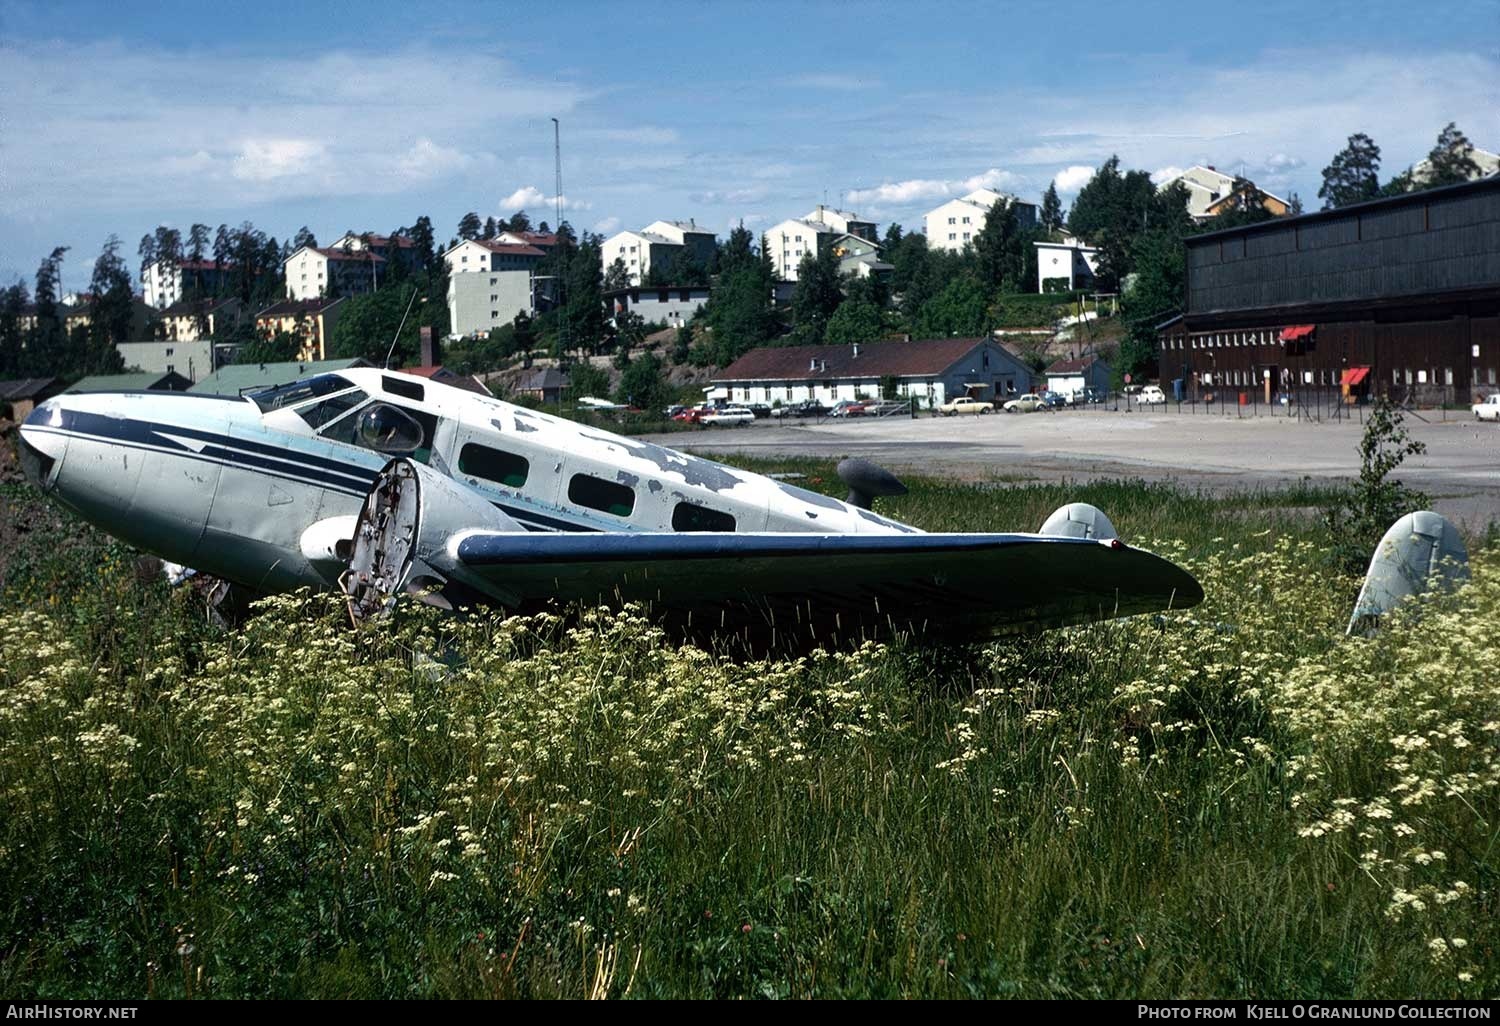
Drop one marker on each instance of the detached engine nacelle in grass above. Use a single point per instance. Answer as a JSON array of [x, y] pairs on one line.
[[401, 539]]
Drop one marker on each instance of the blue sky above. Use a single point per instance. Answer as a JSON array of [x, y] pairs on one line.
[[116, 117]]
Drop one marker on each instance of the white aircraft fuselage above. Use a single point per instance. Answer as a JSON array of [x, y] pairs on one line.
[[263, 490]]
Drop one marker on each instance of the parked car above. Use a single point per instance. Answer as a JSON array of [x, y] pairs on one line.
[[761, 410], [1026, 404], [886, 407], [692, 415], [727, 416], [1489, 409], [806, 408], [965, 404], [1085, 396], [1152, 395], [848, 408], [1054, 400]]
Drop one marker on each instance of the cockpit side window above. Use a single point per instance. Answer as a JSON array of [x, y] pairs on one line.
[[387, 428], [319, 413], [299, 391]]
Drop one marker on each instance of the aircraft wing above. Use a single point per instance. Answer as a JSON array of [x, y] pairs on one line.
[[424, 533], [952, 585]]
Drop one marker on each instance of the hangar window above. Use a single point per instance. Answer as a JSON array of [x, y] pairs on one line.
[[605, 496], [493, 465], [688, 516]]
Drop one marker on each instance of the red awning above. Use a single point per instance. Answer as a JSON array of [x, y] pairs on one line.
[[1354, 375], [1296, 331]]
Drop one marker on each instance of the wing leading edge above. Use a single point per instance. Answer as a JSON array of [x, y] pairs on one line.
[[951, 585]]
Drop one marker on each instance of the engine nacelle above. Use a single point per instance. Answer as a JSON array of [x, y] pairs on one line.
[[401, 539]]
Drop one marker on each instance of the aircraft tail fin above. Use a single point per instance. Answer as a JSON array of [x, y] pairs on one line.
[[1079, 520], [1421, 552]]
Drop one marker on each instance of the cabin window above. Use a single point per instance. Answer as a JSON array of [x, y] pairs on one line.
[[493, 465], [688, 516], [605, 496], [405, 389]]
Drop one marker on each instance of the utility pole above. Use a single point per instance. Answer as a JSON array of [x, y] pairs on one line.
[[562, 275]]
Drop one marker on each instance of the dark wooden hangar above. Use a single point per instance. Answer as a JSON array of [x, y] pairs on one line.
[[1396, 297]]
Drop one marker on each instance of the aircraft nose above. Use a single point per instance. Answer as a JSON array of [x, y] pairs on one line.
[[43, 444]]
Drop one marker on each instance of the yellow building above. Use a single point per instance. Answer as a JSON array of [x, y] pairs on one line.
[[312, 320]]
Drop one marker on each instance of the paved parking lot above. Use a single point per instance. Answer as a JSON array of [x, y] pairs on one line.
[[1461, 468]]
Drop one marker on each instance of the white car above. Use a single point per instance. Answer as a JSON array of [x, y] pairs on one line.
[[1489, 409], [1152, 395], [1029, 403], [966, 404], [729, 416]]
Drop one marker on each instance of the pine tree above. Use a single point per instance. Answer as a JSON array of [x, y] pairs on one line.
[[1451, 160], [1052, 215], [1353, 176], [469, 226], [816, 296]]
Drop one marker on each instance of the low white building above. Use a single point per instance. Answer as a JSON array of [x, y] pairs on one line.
[[480, 302], [958, 222], [672, 305], [1066, 261], [928, 371], [1487, 162], [1068, 376]]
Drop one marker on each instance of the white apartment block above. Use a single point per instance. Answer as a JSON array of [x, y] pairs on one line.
[[485, 255], [794, 239], [312, 272], [479, 302], [1205, 187], [844, 222], [958, 222], [657, 245], [165, 282]]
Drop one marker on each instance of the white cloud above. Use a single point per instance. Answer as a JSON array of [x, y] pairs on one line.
[[608, 226], [1073, 178], [917, 190], [836, 82], [1279, 163], [427, 160], [264, 160], [1165, 174], [530, 196]]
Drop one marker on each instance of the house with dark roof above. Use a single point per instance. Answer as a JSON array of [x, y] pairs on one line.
[[23, 395], [929, 371], [544, 385], [242, 378]]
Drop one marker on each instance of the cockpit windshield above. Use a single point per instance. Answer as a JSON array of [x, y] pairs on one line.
[[299, 391]]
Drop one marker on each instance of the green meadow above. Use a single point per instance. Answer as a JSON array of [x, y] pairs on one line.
[[1228, 801]]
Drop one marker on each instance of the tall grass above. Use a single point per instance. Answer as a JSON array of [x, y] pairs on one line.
[[1227, 801]]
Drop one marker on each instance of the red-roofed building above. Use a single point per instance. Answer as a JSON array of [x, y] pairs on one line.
[[484, 255], [541, 240], [930, 371], [443, 376]]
